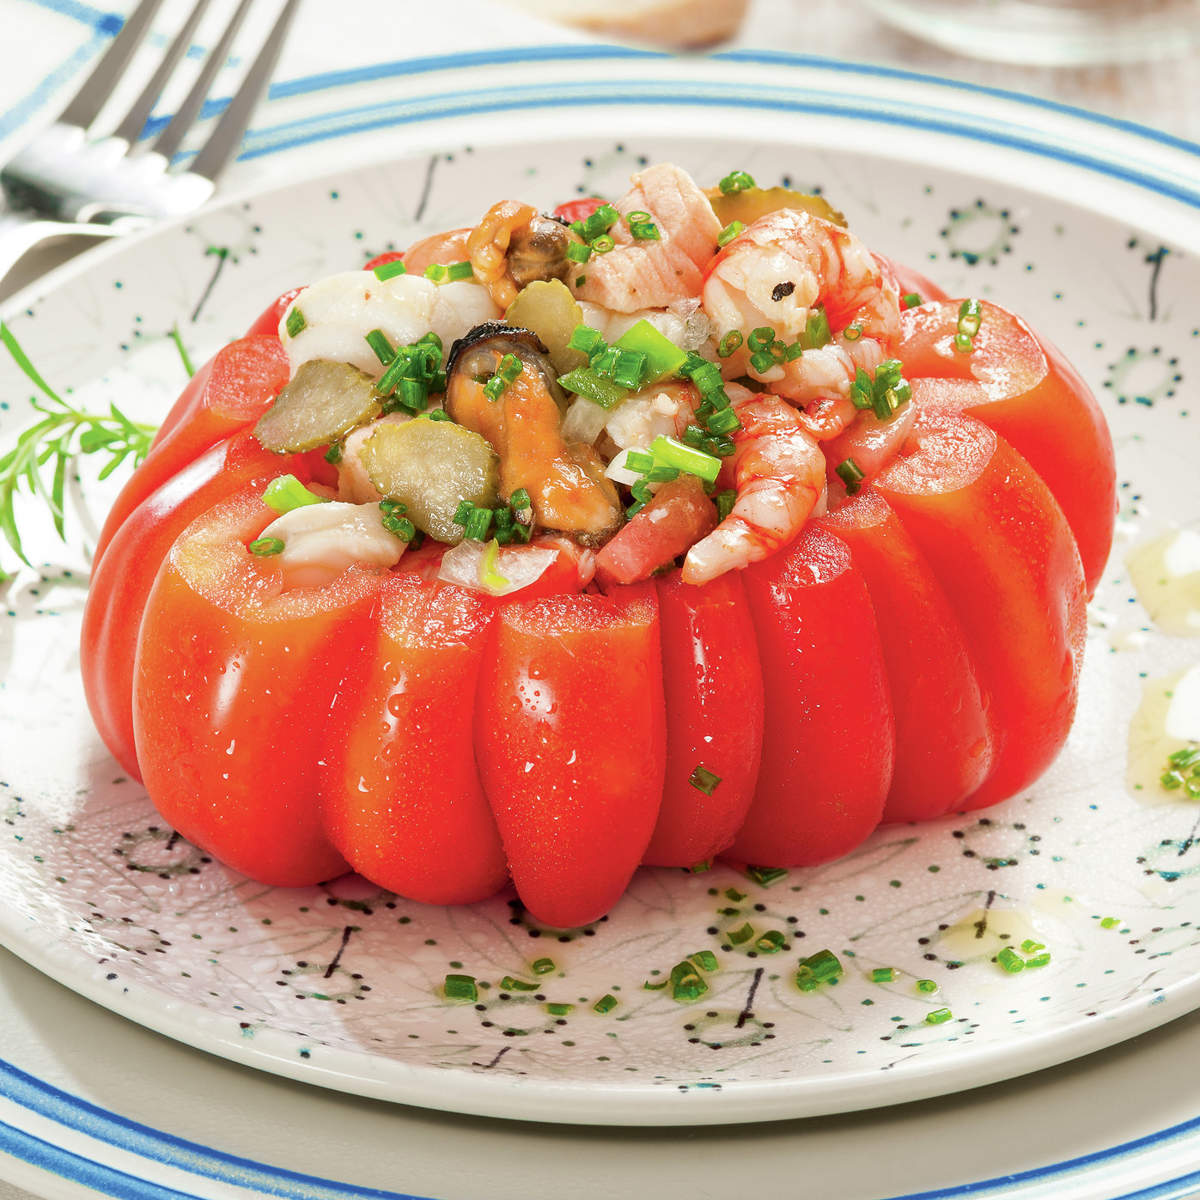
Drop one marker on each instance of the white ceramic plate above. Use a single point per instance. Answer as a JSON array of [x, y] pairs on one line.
[[338, 985]]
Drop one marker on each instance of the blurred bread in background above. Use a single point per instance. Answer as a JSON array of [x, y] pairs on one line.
[[676, 24]]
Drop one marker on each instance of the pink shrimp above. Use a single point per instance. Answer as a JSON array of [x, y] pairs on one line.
[[775, 273], [444, 248], [780, 475], [655, 273]]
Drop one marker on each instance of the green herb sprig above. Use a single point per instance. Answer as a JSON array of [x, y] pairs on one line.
[[43, 453]]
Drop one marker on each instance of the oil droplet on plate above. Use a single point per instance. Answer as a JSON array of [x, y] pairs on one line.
[[1168, 719], [1165, 574], [984, 932]]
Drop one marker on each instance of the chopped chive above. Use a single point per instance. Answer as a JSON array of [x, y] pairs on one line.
[[926, 985], [603, 244], [668, 452], [1110, 922], [725, 501], [519, 501], [852, 333], [559, 1010], [735, 181], [580, 280], [698, 868], [706, 960], [600, 222], [334, 454], [702, 779], [590, 341], [883, 975], [264, 547], [1010, 960], [460, 987], [286, 492], [1029, 946], [939, 1016], [911, 299], [963, 344], [762, 361], [511, 984], [687, 984], [740, 935], [378, 341], [851, 474], [734, 894], [765, 876], [543, 966], [1038, 960], [295, 322], [729, 343], [644, 231], [655, 987], [579, 252], [437, 272], [729, 232], [606, 1003], [459, 270], [771, 942], [638, 216], [394, 521], [389, 270], [817, 332], [816, 969]]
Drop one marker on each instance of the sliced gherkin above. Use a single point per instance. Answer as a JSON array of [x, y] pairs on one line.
[[751, 203], [323, 402], [550, 311], [431, 467]]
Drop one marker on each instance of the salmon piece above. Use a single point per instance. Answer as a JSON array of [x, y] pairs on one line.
[[654, 274]]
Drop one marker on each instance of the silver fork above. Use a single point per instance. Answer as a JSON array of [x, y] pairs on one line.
[[71, 180]]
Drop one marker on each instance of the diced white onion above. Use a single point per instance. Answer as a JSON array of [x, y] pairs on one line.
[[618, 471], [584, 421], [519, 566], [321, 540]]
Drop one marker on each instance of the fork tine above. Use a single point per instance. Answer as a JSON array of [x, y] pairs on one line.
[[225, 139], [98, 86], [143, 106], [172, 137]]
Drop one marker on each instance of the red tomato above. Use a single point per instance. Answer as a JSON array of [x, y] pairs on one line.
[[911, 282], [943, 743], [404, 803], [233, 690], [1005, 557], [1019, 385], [678, 515], [570, 743], [228, 393], [828, 730], [714, 707], [267, 322]]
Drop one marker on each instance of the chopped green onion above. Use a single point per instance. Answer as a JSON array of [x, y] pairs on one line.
[[590, 341], [509, 368], [378, 341], [816, 969], [334, 454], [488, 575], [927, 986], [394, 521], [883, 975], [559, 1010], [586, 382], [600, 222], [629, 369], [732, 893], [1029, 946], [655, 987], [765, 876], [663, 357], [761, 337], [603, 244], [911, 299], [460, 987], [729, 232], [851, 474], [725, 501], [705, 375], [295, 322], [580, 280], [286, 492], [706, 960], [511, 984], [543, 966], [639, 215], [1038, 960], [762, 361], [437, 272], [459, 270], [671, 453], [436, 414], [729, 343], [817, 332], [771, 942], [644, 231], [389, 270], [738, 936], [1010, 960], [970, 316], [1110, 922], [703, 780], [264, 547], [735, 181], [686, 982], [963, 344], [852, 333], [519, 501], [794, 351], [606, 1003], [579, 252], [698, 868], [939, 1016]]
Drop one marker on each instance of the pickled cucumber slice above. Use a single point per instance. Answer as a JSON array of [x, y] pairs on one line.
[[323, 403], [550, 311], [431, 467], [751, 203]]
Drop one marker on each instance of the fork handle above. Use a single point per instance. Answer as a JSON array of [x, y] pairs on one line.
[[21, 232]]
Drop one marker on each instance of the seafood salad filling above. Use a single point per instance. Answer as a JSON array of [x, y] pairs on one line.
[[680, 377]]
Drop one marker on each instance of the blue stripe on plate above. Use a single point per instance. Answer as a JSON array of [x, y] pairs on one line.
[[78, 1115], [24, 108], [100, 19]]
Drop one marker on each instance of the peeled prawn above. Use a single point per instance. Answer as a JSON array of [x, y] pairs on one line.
[[780, 480], [776, 273]]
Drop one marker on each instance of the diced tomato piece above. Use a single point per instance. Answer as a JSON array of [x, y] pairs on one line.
[[578, 210], [570, 739], [233, 691], [121, 581], [228, 393], [1005, 557], [267, 322], [943, 743], [678, 515], [911, 282], [828, 729], [714, 704], [1021, 386], [404, 803]]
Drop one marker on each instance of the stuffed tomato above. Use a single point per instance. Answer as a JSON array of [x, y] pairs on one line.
[[647, 533]]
